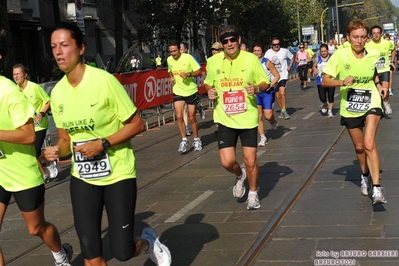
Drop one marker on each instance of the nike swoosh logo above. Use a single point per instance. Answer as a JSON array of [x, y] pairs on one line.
[[124, 226], [93, 104]]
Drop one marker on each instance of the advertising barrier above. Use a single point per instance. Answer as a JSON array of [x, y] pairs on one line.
[[152, 88]]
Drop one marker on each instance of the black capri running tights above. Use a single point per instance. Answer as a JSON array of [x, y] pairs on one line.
[[326, 93], [119, 200]]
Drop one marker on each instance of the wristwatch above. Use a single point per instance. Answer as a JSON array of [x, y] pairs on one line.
[[190, 74], [106, 144], [43, 114]]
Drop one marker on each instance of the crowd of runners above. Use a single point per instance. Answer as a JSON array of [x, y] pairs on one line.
[[96, 120]]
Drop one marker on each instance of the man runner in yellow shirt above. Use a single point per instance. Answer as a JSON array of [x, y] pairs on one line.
[[387, 53], [233, 78], [182, 70]]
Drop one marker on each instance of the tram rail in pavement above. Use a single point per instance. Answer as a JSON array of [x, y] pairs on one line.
[[187, 197]]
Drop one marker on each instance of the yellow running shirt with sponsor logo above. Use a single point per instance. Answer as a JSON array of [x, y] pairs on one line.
[[18, 165], [385, 49], [185, 63], [38, 97], [363, 95], [234, 108], [95, 109]]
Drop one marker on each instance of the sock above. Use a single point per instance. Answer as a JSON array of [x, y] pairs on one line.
[[366, 174], [184, 139], [252, 192], [186, 128], [282, 110], [262, 136], [196, 138], [59, 256]]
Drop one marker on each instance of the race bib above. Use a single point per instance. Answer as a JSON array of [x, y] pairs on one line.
[[381, 63], [358, 100], [95, 167], [302, 62], [234, 102]]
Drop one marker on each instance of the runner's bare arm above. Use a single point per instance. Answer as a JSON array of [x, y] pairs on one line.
[[23, 135]]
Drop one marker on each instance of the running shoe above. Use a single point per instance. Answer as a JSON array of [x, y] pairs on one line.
[[46, 179], [68, 257], [239, 188], [390, 92], [197, 144], [286, 115], [52, 169], [262, 142], [324, 108], [274, 124], [188, 133], [365, 185], [387, 108], [281, 115], [183, 146], [158, 252], [377, 196], [309, 80], [330, 114], [253, 201]]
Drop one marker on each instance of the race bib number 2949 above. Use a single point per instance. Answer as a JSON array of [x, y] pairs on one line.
[[95, 167]]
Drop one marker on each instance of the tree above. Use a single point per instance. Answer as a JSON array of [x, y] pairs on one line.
[[6, 63]]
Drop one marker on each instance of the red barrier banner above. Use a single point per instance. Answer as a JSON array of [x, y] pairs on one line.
[[151, 88]]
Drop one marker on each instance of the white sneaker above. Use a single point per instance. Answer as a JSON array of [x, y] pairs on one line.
[[330, 114], [387, 108], [286, 115], [52, 169], [324, 108], [68, 257], [365, 185], [309, 80], [253, 201], [183, 146], [158, 252], [262, 142], [239, 188], [390, 92], [377, 195], [197, 144]]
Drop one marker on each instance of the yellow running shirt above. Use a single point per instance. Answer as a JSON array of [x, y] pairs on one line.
[[363, 95], [234, 108], [18, 166], [95, 109], [385, 49], [186, 63], [38, 97]]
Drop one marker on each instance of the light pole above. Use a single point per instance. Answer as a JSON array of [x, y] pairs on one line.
[[299, 25], [336, 12]]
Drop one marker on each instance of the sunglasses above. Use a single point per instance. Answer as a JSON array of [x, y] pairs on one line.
[[226, 41], [301, 47], [214, 49], [276, 44]]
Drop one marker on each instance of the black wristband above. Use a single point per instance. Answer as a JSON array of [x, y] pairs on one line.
[[43, 114]]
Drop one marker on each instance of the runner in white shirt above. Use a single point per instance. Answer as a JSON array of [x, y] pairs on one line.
[[279, 57]]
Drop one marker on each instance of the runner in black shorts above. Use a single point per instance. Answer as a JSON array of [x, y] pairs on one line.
[[20, 176], [183, 68]]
